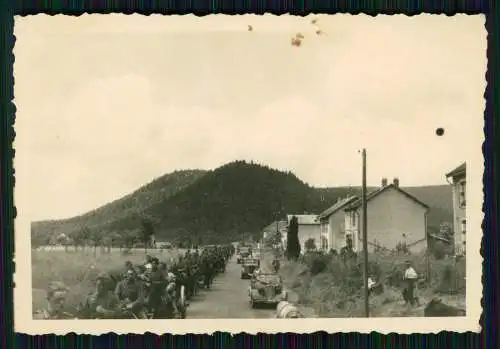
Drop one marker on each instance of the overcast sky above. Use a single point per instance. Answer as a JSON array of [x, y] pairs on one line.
[[106, 104]]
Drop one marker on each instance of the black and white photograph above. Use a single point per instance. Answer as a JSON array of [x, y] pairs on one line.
[[248, 173]]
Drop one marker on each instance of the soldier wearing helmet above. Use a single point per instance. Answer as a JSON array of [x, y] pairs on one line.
[[130, 292], [102, 304], [57, 293]]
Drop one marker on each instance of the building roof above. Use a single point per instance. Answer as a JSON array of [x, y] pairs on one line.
[[437, 237], [304, 219], [357, 203], [459, 171], [337, 206], [272, 227]]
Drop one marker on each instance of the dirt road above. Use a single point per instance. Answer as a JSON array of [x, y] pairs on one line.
[[228, 298]]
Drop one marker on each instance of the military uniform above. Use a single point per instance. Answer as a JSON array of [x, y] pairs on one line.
[[57, 291], [133, 293], [105, 300], [158, 282], [45, 314]]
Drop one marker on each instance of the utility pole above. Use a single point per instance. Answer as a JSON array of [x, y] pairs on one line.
[[365, 236]]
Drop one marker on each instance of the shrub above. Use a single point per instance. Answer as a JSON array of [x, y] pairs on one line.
[[439, 250], [402, 248], [334, 286], [451, 279], [318, 265], [316, 262], [310, 244]]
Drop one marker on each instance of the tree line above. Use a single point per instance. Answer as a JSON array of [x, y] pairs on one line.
[[95, 238]]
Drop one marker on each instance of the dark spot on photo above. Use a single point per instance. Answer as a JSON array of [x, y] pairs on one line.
[[439, 131]]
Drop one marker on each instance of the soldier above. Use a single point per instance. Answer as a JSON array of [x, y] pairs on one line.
[[163, 267], [207, 270], [130, 292], [129, 265], [56, 299], [102, 304], [276, 264], [171, 293], [158, 281]]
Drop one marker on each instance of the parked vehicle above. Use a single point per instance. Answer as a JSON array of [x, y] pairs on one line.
[[243, 253], [266, 288], [248, 266], [257, 254]]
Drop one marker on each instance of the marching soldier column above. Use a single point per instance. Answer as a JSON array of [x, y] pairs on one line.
[[154, 289]]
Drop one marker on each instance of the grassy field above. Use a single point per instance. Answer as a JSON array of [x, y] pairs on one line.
[[78, 270]]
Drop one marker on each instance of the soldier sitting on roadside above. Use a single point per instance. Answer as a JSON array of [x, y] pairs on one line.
[[102, 304], [130, 292], [56, 299], [128, 266]]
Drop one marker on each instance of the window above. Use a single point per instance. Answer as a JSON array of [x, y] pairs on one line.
[[463, 226], [348, 241], [461, 194], [325, 228], [324, 243], [353, 218]]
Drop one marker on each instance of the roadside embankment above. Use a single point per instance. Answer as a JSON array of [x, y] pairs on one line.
[[333, 287]]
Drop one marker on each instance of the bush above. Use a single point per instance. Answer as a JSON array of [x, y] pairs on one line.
[[439, 250], [452, 278], [394, 277], [402, 248], [316, 262], [318, 265], [334, 286], [310, 244]]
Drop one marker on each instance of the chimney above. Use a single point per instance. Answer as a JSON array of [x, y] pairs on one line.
[[395, 181], [384, 182]]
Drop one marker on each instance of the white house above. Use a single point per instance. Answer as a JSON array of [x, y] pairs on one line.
[[332, 225], [393, 216], [308, 228]]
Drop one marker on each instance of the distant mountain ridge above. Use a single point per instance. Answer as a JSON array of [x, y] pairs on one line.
[[222, 205]]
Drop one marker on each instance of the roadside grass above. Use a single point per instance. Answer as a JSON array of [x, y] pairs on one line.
[[78, 270], [335, 289]]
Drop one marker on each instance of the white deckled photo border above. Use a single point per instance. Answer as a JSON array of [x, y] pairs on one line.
[[24, 323]]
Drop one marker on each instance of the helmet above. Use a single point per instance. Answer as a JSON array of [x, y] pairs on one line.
[[170, 288], [56, 288], [171, 277]]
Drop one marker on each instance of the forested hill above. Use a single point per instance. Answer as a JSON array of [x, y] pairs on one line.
[[223, 204], [234, 199], [133, 204]]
